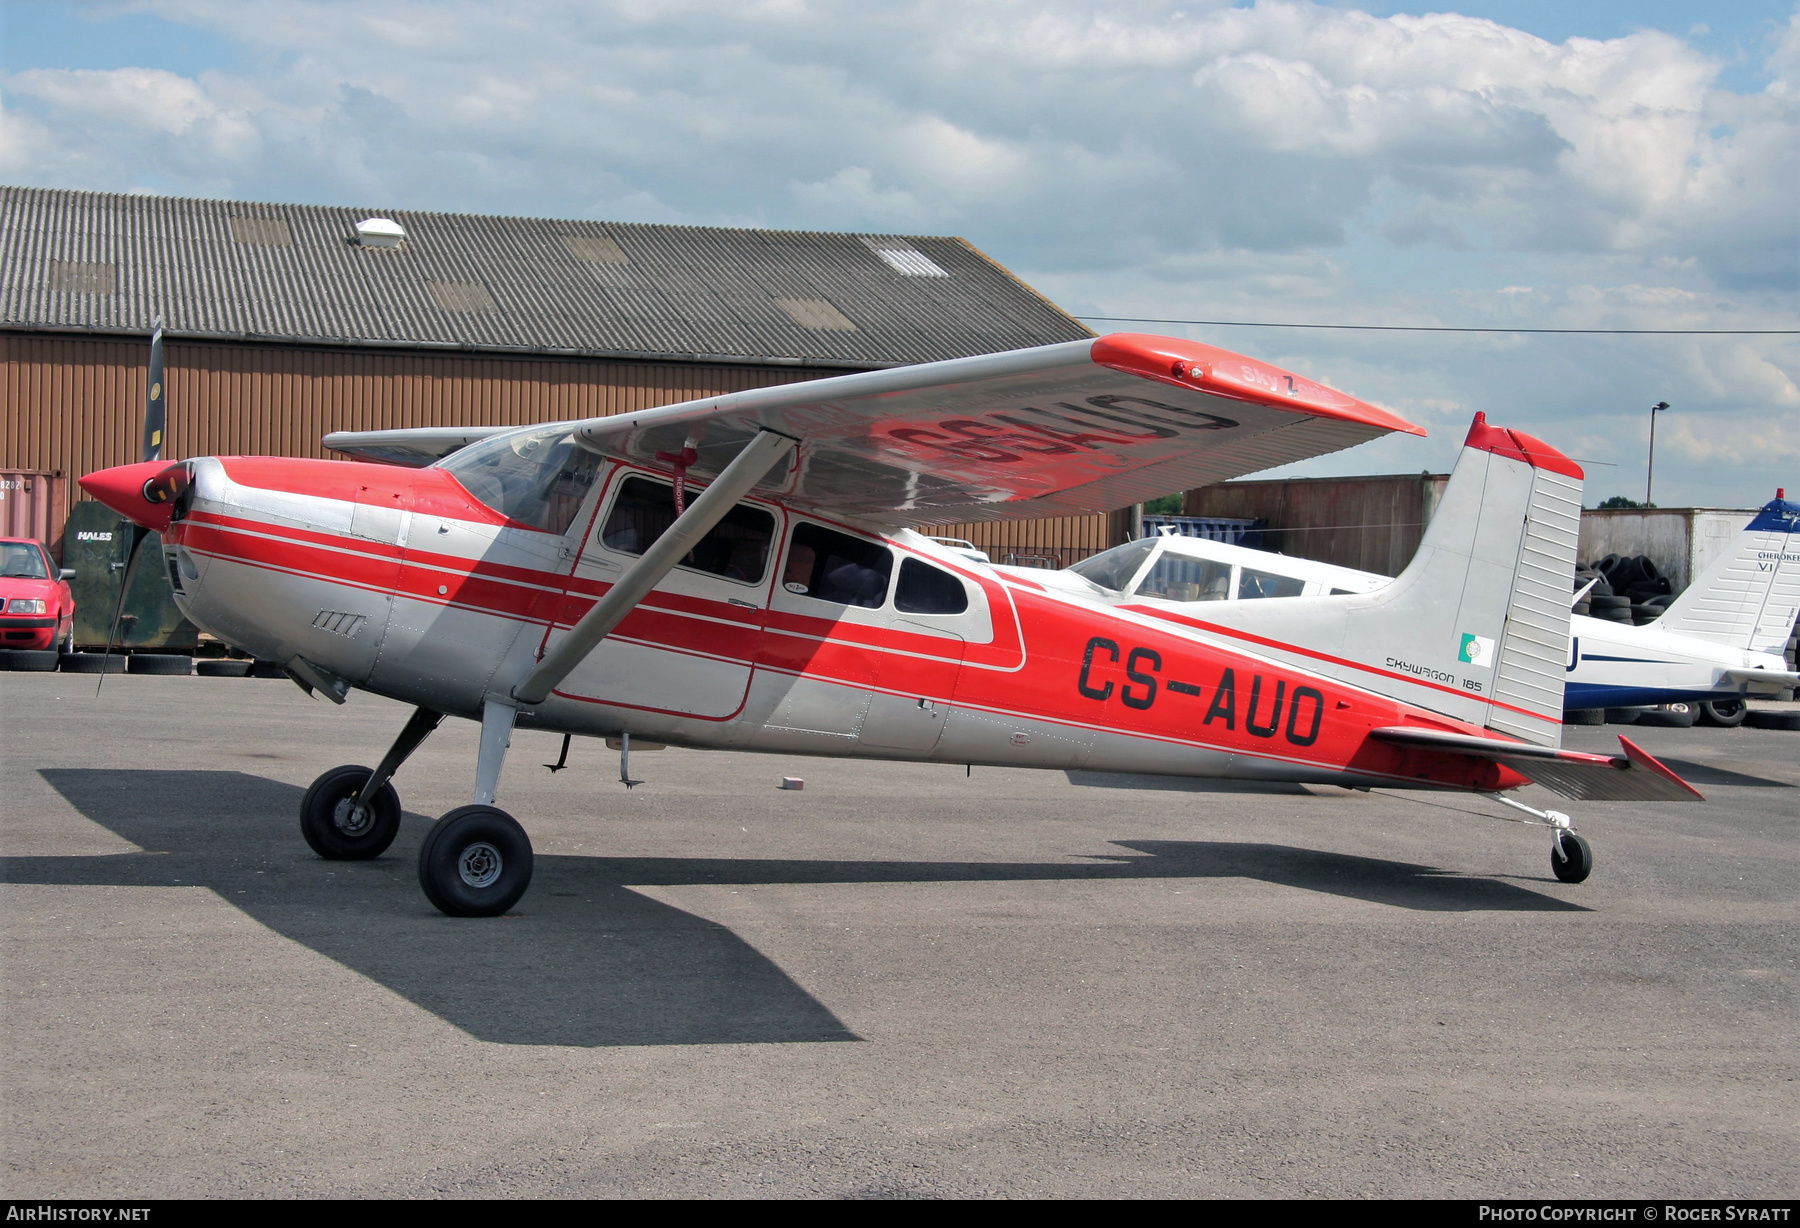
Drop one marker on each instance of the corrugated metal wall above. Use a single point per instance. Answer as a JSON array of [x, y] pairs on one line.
[[75, 404], [1371, 524]]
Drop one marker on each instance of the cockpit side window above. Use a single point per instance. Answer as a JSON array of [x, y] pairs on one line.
[[1176, 577], [737, 548], [537, 478]]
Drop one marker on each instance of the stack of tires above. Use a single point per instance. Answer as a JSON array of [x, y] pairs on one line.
[[49, 661], [1637, 587]]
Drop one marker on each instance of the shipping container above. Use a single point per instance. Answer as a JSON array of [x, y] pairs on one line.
[[34, 504], [1681, 541]]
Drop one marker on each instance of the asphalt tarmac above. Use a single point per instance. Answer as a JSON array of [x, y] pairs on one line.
[[903, 981]]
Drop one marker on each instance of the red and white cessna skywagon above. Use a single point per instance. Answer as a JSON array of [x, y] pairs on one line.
[[744, 572]]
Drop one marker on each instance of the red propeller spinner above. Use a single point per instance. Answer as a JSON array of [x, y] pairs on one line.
[[144, 493]]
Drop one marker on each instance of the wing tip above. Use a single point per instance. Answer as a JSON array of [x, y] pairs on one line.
[[1206, 368]]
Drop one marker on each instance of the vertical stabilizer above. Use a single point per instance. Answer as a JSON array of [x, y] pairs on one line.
[[1477, 626], [1748, 597]]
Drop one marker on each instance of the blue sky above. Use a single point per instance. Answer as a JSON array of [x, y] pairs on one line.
[[1498, 164]]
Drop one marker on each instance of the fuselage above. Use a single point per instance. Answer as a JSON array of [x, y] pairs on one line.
[[403, 583]]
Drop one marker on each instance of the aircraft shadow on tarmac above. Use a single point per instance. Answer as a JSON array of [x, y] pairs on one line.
[[589, 962]]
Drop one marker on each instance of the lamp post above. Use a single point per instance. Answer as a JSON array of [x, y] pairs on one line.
[[1650, 474]]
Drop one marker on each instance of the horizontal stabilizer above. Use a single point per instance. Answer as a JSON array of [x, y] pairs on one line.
[[1763, 681], [1634, 776]]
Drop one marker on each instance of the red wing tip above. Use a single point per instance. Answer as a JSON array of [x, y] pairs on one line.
[[1642, 758], [1517, 445], [1206, 368]]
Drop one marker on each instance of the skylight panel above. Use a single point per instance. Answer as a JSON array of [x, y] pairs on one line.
[[904, 258]]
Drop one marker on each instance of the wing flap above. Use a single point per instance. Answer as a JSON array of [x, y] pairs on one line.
[[1633, 776]]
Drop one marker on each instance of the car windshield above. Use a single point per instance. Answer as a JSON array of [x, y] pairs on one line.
[[22, 561], [538, 478], [1113, 569]]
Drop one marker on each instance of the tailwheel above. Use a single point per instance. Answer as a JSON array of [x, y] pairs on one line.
[[1571, 859], [476, 862], [340, 824]]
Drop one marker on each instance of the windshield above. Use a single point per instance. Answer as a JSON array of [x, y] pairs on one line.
[[1113, 569], [22, 561], [538, 478]]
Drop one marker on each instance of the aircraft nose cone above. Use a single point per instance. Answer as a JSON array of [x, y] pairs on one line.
[[122, 489]]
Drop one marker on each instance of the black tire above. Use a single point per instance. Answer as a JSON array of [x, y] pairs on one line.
[[1585, 716], [1773, 718], [476, 862], [1671, 716], [1643, 615], [1607, 603], [266, 669], [331, 825], [159, 663], [29, 660], [90, 662], [1724, 713], [222, 669], [1623, 716], [1574, 861]]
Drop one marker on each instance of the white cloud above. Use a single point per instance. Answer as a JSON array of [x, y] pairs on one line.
[[1284, 160]]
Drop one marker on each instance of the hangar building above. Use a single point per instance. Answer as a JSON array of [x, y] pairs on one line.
[[285, 322]]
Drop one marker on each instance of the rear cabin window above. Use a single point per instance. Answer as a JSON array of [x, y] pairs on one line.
[[1177, 578], [736, 549], [923, 589], [836, 567], [1255, 584], [537, 478]]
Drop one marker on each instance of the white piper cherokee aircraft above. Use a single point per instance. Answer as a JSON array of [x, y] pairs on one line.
[[1720, 640], [557, 577]]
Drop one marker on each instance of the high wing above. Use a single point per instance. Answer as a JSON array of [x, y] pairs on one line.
[[1076, 428], [1632, 776]]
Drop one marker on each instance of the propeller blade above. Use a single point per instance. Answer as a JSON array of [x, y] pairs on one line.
[[155, 405], [138, 534]]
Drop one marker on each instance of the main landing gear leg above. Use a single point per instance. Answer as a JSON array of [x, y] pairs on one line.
[[353, 814], [476, 861], [1571, 857]]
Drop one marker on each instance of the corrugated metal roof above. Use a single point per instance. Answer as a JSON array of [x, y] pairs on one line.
[[294, 273]]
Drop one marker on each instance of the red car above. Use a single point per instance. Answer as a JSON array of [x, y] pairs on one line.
[[37, 610]]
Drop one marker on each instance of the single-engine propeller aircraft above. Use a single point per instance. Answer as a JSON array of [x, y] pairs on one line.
[[1719, 641], [574, 577]]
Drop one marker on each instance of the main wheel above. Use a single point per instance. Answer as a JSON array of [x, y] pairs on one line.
[[1725, 713], [1574, 860], [476, 862], [339, 825]]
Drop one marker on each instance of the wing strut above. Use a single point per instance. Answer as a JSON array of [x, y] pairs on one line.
[[746, 470]]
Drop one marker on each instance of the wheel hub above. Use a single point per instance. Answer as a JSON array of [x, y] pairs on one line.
[[352, 817], [479, 865]]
